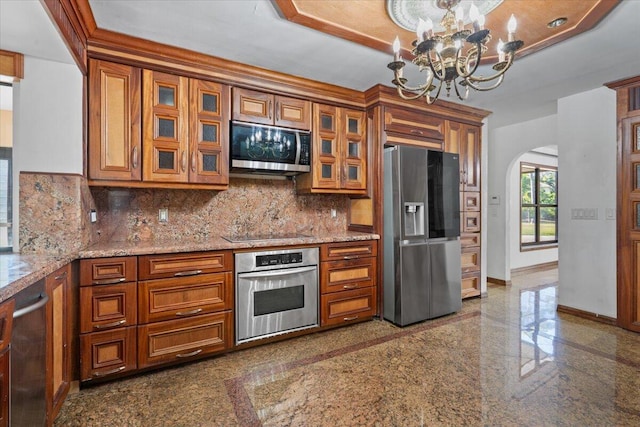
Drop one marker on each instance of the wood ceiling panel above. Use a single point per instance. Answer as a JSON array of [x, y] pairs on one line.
[[366, 21]]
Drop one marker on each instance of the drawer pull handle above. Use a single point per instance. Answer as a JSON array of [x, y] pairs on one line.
[[189, 313], [113, 371], [347, 319], [62, 276], [110, 325], [193, 353], [350, 257], [417, 132], [187, 273], [349, 286], [109, 281]]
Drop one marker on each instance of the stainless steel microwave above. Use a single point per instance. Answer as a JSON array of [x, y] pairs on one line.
[[268, 149]]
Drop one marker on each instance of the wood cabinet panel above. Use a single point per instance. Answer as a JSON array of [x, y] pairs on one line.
[[470, 259], [177, 265], [108, 306], [115, 147], [471, 153], [4, 387], [209, 133], [348, 250], [469, 239], [338, 276], [166, 299], [165, 132], [470, 201], [58, 362], [108, 353], [6, 323], [105, 271], [348, 306], [339, 152], [170, 341], [470, 222], [415, 124], [264, 108], [471, 284]]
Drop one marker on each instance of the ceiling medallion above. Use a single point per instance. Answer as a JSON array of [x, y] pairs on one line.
[[405, 13], [452, 58]]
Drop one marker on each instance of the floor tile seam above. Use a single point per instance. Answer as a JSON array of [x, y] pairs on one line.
[[575, 345], [241, 402]]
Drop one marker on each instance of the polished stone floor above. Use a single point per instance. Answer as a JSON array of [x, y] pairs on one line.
[[505, 360]]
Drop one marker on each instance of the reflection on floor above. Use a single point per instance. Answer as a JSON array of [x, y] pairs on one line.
[[508, 359]]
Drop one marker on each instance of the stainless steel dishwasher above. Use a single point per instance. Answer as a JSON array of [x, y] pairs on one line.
[[28, 357]]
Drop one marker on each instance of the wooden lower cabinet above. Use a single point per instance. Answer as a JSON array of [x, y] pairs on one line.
[[470, 284], [4, 388], [108, 306], [175, 340], [348, 306], [348, 274], [108, 353], [167, 299]]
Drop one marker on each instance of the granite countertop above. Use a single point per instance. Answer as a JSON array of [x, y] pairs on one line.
[[19, 271]]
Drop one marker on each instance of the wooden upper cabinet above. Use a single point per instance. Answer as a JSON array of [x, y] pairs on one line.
[[209, 157], [268, 109], [115, 150], [465, 140], [403, 126], [339, 152], [166, 130]]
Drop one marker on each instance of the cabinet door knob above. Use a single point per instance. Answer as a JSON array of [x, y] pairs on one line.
[[277, 111], [184, 161], [193, 162], [270, 104]]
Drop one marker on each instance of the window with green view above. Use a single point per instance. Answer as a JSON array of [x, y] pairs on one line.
[[538, 205]]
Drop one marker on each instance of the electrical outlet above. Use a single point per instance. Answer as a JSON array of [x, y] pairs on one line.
[[163, 215], [334, 213], [93, 216]]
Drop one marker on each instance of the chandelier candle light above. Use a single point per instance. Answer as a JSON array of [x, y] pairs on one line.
[[444, 59]]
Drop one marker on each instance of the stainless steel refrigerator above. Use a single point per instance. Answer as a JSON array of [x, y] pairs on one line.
[[422, 278]]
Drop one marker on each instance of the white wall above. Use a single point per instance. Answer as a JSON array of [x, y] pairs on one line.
[[587, 179], [530, 257], [506, 145], [47, 120]]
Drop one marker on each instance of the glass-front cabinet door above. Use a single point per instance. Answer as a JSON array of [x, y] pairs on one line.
[[326, 153], [165, 127], [354, 148], [208, 158]]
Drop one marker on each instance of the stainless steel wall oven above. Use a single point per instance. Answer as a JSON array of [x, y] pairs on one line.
[[276, 292]]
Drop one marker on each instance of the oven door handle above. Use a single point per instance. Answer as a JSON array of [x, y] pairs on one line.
[[282, 272]]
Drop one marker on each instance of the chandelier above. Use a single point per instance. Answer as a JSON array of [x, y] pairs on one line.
[[452, 59]]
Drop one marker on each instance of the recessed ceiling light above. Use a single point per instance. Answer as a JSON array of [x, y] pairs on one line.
[[557, 22]]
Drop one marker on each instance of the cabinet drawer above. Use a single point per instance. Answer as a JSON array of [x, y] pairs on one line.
[[176, 340], [347, 306], [338, 276], [470, 259], [470, 222], [471, 284], [108, 271], [187, 264], [105, 354], [348, 250], [470, 201], [469, 239], [175, 298], [413, 124], [107, 307]]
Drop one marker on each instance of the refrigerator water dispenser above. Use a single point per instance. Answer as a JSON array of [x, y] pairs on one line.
[[413, 219]]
